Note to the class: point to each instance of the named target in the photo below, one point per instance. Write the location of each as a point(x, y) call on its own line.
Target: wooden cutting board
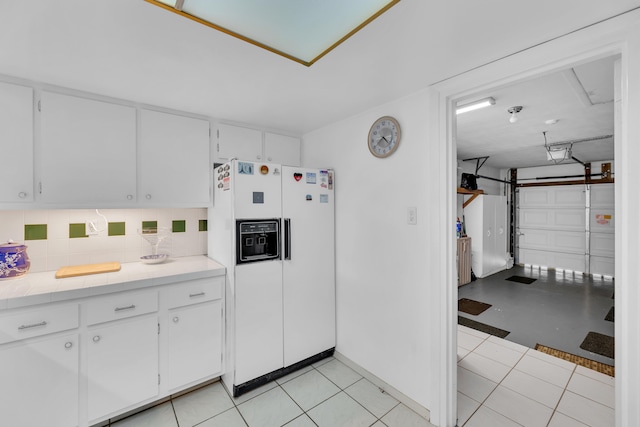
point(83, 270)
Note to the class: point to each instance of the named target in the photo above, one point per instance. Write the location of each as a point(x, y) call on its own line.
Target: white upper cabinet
point(88, 151)
point(241, 143)
point(247, 144)
point(16, 143)
point(174, 160)
point(282, 149)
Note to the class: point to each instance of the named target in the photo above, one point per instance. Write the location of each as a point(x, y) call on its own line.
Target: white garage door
point(567, 227)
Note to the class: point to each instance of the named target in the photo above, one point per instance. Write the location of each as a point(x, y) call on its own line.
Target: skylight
point(301, 30)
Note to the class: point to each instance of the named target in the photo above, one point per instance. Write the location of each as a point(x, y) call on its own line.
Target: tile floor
point(504, 384)
point(326, 394)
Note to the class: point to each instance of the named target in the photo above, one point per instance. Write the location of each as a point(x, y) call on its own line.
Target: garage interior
point(537, 229)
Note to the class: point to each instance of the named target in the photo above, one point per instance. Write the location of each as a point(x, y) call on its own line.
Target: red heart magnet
point(297, 176)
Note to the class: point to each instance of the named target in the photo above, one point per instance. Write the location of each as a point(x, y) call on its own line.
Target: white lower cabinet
point(194, 343)
point(40, 383)
point(76, 364)
point(122, 365)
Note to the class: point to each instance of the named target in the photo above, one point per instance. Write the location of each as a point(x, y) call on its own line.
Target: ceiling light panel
point(303, 30)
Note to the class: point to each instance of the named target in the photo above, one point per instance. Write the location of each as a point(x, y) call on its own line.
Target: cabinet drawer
point(194, 291)
point(121, 306)
point(35, 322)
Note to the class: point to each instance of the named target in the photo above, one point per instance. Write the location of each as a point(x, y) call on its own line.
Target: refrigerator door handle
point(287, 238)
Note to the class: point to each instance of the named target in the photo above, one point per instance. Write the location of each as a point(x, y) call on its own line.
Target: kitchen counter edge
point(42, 288)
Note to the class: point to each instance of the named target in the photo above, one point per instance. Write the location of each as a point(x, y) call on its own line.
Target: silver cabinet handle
point(176, 319)
point(96, 338)
point(199, 294)
point(68, 344)
point(148, 196)
point(22, 194)
point(258, 157)
point(33, 325)
point(129, 307)
point(129, 196)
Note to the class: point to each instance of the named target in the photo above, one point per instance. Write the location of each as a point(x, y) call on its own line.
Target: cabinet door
point(16, 143)
point(238, 142)
point(174, 160)
point(40, 383)
point(282, 149)
point(122, 365)
point(88, 151)
point(195, 343)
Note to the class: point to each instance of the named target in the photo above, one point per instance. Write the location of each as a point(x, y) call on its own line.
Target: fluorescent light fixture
point(482, 103)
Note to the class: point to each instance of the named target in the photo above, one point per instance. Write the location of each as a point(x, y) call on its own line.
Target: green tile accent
point(35, 231)
point(179, 226)
point(77, 230)
point(116, 229)
point(149, 227)
point(203, 225)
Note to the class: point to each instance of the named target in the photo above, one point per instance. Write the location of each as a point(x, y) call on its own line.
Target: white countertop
point(40, 288)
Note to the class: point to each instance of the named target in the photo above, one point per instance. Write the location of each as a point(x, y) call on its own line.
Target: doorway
point(502, 174)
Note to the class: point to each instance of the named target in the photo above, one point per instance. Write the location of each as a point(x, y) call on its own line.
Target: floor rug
point(521, 279)
point(470, 306)
point(609, 315)
point(599, 344)
point(603, 368)
point(487, 329)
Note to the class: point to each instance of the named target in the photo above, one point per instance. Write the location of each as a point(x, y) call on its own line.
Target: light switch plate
point(412, 215)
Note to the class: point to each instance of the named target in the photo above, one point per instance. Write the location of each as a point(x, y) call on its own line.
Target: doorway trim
point(618, 35)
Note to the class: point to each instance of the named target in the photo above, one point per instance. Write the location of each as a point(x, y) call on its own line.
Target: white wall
point(387, 290)
point(395, 282)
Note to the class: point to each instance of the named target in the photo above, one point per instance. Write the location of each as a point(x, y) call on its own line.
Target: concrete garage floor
point(557, 310)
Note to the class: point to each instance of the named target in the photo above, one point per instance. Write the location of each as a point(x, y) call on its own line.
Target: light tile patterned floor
point(501, 383)
point(327, 394)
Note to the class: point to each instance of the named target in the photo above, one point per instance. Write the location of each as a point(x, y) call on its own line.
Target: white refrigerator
point(280, 308)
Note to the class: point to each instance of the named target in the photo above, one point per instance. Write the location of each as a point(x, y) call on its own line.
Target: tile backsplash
point(57, 238)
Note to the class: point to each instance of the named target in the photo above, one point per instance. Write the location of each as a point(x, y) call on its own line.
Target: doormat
point(603, 368)
point(470, 306)
point(609, 315)
point(599, 344)
point(487, 329)
point(521, 279)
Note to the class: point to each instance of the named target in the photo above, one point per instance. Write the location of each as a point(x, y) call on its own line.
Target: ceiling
point(133, 50)
point(579, 98)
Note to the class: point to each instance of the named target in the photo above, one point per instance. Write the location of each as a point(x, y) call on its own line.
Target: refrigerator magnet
point(324, 198)
point(245, 168)
point(311, 178)
point(297, 176)
point(309, 197)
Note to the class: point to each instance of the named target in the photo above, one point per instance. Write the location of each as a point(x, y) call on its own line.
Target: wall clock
point(384, 137)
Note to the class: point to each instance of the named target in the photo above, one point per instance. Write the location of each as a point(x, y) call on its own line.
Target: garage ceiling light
point(301, 30)
point(482, 103)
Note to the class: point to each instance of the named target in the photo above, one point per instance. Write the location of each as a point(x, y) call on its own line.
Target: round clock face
point(384, 136)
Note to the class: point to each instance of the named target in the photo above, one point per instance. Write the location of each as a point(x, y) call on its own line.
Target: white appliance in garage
point(272, 226)
point(486, 223)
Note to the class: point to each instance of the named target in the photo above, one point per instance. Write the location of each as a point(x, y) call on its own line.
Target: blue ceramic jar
point(14, 261)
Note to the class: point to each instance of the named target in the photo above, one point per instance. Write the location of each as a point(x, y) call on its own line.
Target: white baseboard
point(404, 399)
